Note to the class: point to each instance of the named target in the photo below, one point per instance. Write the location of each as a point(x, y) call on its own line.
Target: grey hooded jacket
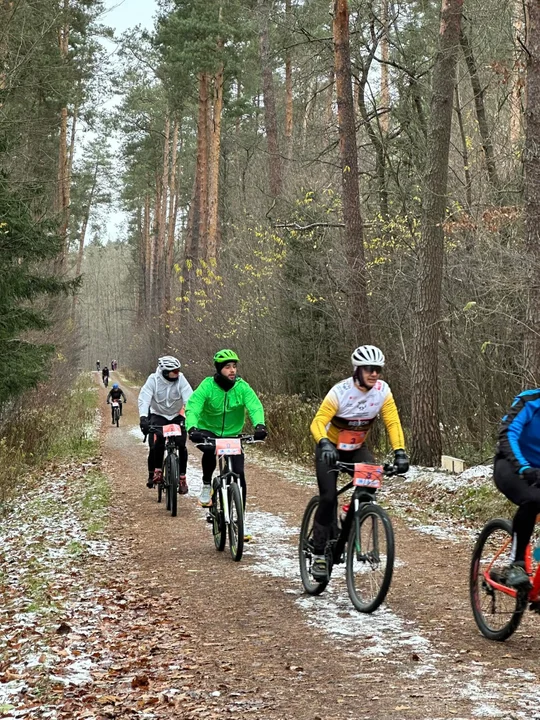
point(163, 397)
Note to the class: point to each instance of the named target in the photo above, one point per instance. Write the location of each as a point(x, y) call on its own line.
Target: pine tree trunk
point(213, 173)
point(532, 196)
point(6, 13)
point(173, 209)
point(329, 108)
point(354, 232)
point(426, 434)
point(147, 250)
point(202, 164)
point(481, 117)
point(82, 237)
point(63, 172)
point(517, 74)
point(385, 76)
point(270, 114)
point(163, 270)
point(288, 89)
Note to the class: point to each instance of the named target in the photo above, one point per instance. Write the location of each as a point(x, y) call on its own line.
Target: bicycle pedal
point(209, 518)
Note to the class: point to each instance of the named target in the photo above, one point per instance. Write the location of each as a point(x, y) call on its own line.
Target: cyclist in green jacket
point(217, 408)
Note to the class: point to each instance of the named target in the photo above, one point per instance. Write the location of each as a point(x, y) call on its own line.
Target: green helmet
point(225, 356)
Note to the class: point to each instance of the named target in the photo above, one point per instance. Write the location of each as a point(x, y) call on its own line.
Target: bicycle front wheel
point(305, 550)
point(172, 484)
point(496, 613)
point(370, 558)
point(236, 523)
point(218, 519)
point(116, 417)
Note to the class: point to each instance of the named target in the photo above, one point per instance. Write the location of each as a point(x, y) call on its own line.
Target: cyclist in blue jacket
point(516, 474)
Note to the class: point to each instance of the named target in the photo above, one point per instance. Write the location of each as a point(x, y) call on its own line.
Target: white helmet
point(367, 355)
point(168, 362)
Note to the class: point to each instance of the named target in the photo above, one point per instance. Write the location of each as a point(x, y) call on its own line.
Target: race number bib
point(228, 446)
point(171, 430)
point(366, 475)
point(351, 439)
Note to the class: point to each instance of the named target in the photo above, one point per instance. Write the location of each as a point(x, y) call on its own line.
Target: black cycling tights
point(327, 482)
point(527, 497)
point(156, 443)
point(209, 463)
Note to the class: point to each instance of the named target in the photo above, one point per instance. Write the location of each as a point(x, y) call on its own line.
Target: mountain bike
point(226, 513)
point(497, 608)
point(116, 412)
point(365, 541)
point(170, 467)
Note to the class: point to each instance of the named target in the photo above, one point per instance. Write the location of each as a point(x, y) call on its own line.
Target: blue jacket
point(519, 436)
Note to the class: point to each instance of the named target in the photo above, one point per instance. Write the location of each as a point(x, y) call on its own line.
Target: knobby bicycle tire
point(305, 550)
point(369, 585)
point(172, 484)
point(236, 523)
point(218, 519)
point(496, 614)
point(117, 417)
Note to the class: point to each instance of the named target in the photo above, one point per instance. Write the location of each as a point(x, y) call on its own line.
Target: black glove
point(401, 461)
point(260, 432)
point(144, 424)
point(329, 453)
point(532, 476)
point(196, 435)
point(108, 402)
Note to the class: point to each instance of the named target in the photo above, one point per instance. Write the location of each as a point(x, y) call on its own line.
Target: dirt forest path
point(225, 640)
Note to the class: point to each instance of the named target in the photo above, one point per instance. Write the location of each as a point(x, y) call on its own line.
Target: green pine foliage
point(26, 245)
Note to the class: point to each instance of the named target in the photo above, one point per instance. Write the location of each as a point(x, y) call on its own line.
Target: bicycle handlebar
point(389, 469)
point(211, 441)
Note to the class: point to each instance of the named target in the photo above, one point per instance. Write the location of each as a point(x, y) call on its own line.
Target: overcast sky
point(123, 14)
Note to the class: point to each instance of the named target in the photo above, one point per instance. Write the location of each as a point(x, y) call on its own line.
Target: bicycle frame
point(361, 496)
point(226, 474)
point(226, 477)
point(534, 593)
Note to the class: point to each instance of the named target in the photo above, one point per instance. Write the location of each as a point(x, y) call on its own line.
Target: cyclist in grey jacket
point(161, 401)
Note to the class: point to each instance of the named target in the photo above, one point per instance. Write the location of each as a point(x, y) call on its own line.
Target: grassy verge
point(47, 425)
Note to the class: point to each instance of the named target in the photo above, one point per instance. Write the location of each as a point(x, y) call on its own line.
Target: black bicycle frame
point(363, 497)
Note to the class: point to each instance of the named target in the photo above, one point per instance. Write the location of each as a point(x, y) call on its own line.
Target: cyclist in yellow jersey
point(340, 428)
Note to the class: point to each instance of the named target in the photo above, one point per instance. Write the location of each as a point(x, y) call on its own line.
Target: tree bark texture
point(517, 74)
point(385, 75)
point(480, 108)
point(426, 434)
point(173, 210)
point(354, 234)
point(532, 195)
point(270, 114)
point(213, 167)
point(288, 89)
point(63, 171)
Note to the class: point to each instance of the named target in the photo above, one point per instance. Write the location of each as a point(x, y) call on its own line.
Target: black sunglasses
point(372, 369)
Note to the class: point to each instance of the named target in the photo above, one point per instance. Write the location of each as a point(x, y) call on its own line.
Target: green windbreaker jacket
point(223, 413)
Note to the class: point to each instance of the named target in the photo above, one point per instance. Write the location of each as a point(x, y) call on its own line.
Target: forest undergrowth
point(55, 422)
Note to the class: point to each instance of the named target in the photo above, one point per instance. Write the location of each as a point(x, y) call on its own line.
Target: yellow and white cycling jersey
point(348, 411)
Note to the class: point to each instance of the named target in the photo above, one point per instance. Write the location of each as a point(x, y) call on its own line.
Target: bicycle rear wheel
point(236, 523)
point(305, 550)
point(172, 484)
point(496, 613)
point(218, 518)
point(370, 558)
